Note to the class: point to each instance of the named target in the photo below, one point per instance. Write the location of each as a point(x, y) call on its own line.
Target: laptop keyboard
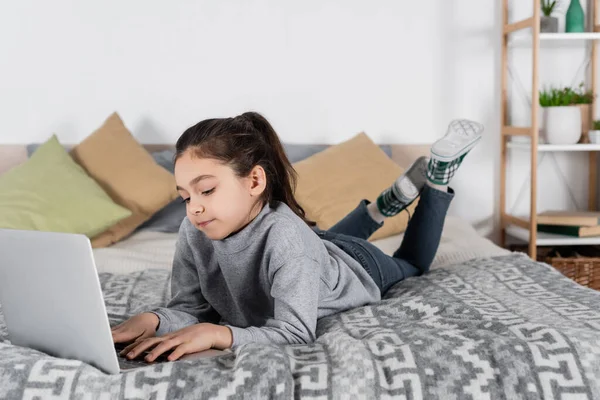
point(139, 360)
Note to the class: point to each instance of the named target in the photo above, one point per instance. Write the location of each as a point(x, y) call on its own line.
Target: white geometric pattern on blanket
point(466, 330)
point(51, 379)
point(149, 382)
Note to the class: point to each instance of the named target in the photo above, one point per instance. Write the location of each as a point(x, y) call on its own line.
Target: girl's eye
point(205, 193)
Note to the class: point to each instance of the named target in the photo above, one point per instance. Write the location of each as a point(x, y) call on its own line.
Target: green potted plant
point(561, 116)
point(548, 24)
point(584, 99)
point(594, 133)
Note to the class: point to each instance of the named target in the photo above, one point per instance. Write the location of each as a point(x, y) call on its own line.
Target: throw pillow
point(128, 173)
point(50, 192)
point(169, 218)
point(332, 183)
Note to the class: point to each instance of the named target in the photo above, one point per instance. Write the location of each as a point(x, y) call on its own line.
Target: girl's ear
point(258, 181)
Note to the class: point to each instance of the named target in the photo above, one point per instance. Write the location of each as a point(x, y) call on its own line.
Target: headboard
point(402, 154)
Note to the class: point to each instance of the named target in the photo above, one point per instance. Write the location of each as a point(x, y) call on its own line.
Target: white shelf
point(553, 39)
point(550, 239)
point(555, 147)
point(570, 36)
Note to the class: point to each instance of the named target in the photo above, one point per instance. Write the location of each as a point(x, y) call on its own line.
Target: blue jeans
point(417, 250)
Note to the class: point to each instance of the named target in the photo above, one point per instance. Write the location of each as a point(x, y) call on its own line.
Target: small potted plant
point(548, 24)
point(594, 134)
point(561, 116)
point(584, 99)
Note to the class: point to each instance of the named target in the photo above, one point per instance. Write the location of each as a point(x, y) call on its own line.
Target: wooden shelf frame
point(530, 224)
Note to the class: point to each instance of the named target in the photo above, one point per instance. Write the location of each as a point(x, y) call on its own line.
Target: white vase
point(562, 124)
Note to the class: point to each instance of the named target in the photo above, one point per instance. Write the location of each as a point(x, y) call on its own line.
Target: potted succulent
point(548, 24)
point(561, 116)
point(594, 134)
point(584, 99)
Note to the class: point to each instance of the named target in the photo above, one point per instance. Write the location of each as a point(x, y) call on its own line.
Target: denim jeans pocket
point(362, 255)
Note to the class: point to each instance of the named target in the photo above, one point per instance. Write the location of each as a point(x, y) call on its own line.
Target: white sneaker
point(461, 137)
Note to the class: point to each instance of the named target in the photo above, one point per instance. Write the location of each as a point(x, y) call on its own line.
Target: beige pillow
point(332, 183)
point(128, 173)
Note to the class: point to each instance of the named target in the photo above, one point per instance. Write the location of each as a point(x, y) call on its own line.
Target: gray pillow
point(298, 152)
point(295, 152)
point(170, 217)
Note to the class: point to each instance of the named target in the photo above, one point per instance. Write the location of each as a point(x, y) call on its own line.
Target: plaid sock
point(441, 172)
point(391, 201)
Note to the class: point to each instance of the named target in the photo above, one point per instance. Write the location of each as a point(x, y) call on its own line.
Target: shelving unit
point(570, 36)
point(525, 228)
point(555, 147)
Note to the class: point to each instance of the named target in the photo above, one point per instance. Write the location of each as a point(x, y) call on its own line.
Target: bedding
point(169, 217)
point(484, 323)
point(127, 172)
point(331, 183)
point(51, 192)
point(147, 249)
point(502, 327)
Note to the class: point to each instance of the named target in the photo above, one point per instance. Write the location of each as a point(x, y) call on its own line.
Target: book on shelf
point(569, 218)
point(569, 230)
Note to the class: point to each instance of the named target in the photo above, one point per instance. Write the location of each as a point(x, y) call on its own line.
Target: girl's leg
point(424, 230)
point(418, 248)
point(367, 217)
point(358, 223)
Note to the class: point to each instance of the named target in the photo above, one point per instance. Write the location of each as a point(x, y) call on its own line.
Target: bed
point(484, 323)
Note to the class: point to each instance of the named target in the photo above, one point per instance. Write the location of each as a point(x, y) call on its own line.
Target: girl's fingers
point(116, 326)
point(143, 345)
point(129, 347)
point(162, 347)
point(181, 350)
point(127, 336)
point(124, 336)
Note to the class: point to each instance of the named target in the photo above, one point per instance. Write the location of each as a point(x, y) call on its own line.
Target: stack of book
point(571, 223)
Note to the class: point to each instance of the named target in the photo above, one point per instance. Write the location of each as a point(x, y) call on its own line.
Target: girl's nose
point(197, 210)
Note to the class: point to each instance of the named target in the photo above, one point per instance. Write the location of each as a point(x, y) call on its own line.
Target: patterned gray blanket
point(494, 328)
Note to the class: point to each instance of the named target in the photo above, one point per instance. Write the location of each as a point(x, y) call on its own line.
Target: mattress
point(155, 250)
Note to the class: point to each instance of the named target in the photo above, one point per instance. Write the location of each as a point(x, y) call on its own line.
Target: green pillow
point(51, 192)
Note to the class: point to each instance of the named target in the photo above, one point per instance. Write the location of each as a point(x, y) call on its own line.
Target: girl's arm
point(187, 305)
point(295, 292)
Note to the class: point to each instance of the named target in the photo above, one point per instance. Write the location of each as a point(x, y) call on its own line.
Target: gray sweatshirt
point(269, 282)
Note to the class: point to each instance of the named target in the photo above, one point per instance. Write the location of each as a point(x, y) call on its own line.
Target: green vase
point(575, 19)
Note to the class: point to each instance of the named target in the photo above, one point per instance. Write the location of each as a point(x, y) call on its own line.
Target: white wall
point(466, 76)
point(321, 71)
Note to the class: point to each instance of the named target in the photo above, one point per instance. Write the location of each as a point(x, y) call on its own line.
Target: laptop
point(52, 300)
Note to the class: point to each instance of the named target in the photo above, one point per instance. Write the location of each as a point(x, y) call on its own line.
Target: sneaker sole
point(464, 144)
point(409, 184)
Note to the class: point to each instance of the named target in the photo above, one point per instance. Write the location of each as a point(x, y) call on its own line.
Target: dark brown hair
point(242, 143)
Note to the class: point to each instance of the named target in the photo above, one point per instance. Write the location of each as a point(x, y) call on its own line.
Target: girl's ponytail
point(284, 178)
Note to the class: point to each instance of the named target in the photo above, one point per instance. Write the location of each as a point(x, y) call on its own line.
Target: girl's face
point(218, 202)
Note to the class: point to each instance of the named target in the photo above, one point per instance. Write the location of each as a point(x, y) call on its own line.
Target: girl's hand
point(188, 340)
point(137, 327)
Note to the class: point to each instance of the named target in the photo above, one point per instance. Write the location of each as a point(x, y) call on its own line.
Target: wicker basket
point(579, 263)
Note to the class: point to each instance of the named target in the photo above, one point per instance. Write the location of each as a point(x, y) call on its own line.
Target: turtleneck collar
point(242, 239)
